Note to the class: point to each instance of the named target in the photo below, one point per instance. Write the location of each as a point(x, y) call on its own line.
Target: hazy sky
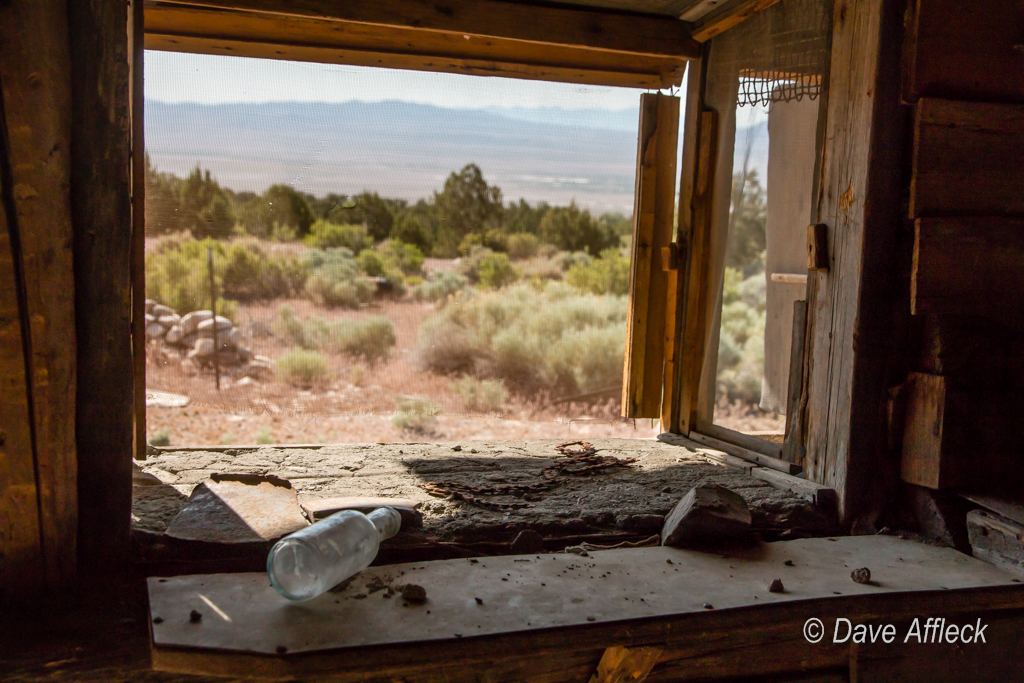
point(177, 77)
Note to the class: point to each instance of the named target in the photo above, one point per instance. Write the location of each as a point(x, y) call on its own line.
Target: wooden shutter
point(653, 214)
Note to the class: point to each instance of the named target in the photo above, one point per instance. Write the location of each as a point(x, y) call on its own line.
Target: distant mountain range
point(400, 149)
point(405, 150)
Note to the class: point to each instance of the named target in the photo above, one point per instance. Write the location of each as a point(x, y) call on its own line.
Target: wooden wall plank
point(35, 71)
point(968, 266)
point(267, 36)
point(962, 438)
point(583, 28)
point(853, 306)
point(675, 310)
point(967, 159)
point(137, 97)
point(965, 51)
point(698, 265)
point(101, 211)
point(20, 536)
point(653, 214)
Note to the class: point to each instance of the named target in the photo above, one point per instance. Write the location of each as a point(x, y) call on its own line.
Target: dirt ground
point(356, 404)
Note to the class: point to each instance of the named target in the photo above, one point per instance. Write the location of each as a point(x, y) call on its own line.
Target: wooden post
point(853, 306)
point(101, 209)
point(643, 372)
point(138, 247)
point(35, 69)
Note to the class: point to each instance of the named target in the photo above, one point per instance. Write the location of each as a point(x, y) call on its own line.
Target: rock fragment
point(706, 514)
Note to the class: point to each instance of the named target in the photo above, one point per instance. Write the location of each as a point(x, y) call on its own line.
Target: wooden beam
point(643, 371)
point(967, 159)
point(560, 26)
point(727, 16)
point(853, 307)
point(791, 448)
point(626, 664)
point(675, 308)
point(138, 246)
point(968, 266)
point(746, 454)
point(962, 438)
point(698, 264)
point(101, 209)
point(35, 71)
point(965, 51)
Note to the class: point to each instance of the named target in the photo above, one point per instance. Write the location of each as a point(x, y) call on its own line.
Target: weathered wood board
point(967, 159)
point(965, 50)
point(243, 613)
point(643, 370)
point(968, 266)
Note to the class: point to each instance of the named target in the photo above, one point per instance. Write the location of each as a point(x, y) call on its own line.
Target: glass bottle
point(313, 560)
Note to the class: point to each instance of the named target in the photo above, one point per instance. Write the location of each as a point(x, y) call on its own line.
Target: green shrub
point(371, 339)
point(469, 265)
point(160, 438)
point(522, 245)
point(496, 271)
point(548, 337)
point(442, 285)
point(324, 235)
point(573, 229)
point(177, 275)
point(608, 274)
point(250, 273)
point(371, 262)
point(404, 257)
point(334, 279)
point(302, 367)
point(415, 414)
point(483, 396)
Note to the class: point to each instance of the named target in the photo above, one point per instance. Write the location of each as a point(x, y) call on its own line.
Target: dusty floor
point(631, 499)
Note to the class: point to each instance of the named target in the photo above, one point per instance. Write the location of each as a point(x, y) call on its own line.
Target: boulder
point(155, 331)
point(190, 321)
point(159, 310)
point(229, 357)
point(203, 349)
point(205, 328)
point(169, 321)
point(188, 340)
point(244, 354)
point(258, 370)
point(149, 306)
point(173, 336)
point(150, 318)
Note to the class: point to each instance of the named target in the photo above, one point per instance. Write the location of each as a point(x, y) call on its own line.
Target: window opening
point(420, 257)
point(778, 60)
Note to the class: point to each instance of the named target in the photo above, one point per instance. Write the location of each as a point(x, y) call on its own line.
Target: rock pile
point(195, 331)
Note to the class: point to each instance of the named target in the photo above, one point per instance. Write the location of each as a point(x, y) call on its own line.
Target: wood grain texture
point(137, 97)
point(35, 71)
point(653, 213)
point(675, 309)
point(745, 453)
point(965, 51)
point(967, 159)
point(762, 637)
point(698, 265)
point(101, 210)
point(726, 16)
point(961, 438)
point(794, 413)
point(968, 266)
point(20, 535)
point(852, 307)
point(248, 34)
point(583, 28)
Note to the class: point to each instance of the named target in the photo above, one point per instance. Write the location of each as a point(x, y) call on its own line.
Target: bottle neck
point(387, 521)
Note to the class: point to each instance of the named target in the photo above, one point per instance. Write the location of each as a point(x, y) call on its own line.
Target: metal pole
point(213, 310)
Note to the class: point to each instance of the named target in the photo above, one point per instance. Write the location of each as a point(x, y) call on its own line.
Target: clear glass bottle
point(313, 560)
